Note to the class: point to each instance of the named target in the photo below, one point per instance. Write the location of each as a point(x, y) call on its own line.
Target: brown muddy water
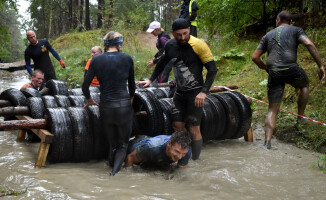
point(230, 169)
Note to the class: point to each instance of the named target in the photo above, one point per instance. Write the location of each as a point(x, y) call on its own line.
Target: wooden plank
point(21, 135)
point(11, 111)
point(43, 134)
point(42, 154)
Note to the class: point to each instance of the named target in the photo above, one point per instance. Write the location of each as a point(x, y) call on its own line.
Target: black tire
point(49, 101)
point(207, 125)
point(166, 91)
point(70, 92)
point(82, 138)
point(244, 111)
point(158, 93)
point(166, 105)
point(62, 101)
point(57, 87)
point(232, 115)
point(96, 97)
point(94, 89)
point(153, 123)
point(15, 96)
point(77, 92)
point(30, 92)
point(219, 116)
point(37, 111)
point(99, 148)
point(77, 101)
point(61, 149)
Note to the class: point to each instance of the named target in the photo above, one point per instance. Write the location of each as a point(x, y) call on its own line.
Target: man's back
point(281, 45)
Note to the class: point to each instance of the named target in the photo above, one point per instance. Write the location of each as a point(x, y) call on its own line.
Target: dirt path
point(147, 39)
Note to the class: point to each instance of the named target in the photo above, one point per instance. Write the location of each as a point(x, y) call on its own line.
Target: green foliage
point(321, 163)
point(10, 192)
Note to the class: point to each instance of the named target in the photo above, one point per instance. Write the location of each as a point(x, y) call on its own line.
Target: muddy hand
point(90, 101)
point(321, 74)
point(200, 98)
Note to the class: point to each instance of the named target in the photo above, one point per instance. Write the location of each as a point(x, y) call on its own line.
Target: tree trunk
point(101, 7)
point(81, 13)
point(87, 20)
point(50, 20)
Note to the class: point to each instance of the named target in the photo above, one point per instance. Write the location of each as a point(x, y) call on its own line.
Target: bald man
point(96, 50)
point(38, 50)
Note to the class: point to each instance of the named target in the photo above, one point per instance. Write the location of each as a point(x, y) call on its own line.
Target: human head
point(178, 145)
point(284, 17)
point(154, 28)
point(181, 31)
point(113, 39)
point(31, 37)
point(37, 78)
point(96, 50)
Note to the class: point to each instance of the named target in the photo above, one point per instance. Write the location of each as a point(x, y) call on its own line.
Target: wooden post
point(249, 137)
point(42, 154)
point(21, 135)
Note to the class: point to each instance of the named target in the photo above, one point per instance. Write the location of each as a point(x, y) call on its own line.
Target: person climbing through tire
point(281, 45)
point(162, 38)
point(188, 55)
point(113, 69)
point(38, 50)
point(161, 150)
point(37, 82)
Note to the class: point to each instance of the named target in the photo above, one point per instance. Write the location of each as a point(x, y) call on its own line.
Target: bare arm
point(131, 159)
point(257, 60)
point(315, 54)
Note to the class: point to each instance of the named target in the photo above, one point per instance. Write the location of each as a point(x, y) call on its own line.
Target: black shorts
point(184, 109)
point(277, 79)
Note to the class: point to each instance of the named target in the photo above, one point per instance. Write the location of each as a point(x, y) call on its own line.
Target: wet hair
point(37, 71)
point(285, 16)
point(98, 48)
point(180, 23)
point(181, 137)
point(113, 39)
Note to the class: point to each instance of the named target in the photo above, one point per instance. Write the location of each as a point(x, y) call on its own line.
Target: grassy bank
point(233, 58)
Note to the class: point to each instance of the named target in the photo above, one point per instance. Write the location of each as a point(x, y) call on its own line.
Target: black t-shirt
point(113, 70)
point(188, 61)
point(281, 45)
point(40, 55)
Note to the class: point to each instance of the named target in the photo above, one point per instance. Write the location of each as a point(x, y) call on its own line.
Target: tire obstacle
point(69, 133)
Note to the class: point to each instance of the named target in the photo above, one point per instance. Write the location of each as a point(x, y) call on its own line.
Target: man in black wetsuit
point(188, 55)
point(38, 50)
point(188, 11)
point(281, 45)
point(113, 69)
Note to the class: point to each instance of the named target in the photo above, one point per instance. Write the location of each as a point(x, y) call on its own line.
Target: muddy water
point(232, 169)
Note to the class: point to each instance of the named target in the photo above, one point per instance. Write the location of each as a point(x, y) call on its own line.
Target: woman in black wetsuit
point(113, 69)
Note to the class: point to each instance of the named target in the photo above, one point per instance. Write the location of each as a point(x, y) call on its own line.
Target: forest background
point(232, 27)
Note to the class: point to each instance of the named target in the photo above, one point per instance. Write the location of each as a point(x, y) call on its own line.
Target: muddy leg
point(270, 123)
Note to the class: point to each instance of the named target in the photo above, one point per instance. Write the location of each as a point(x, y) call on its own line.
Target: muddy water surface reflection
point(226, 170)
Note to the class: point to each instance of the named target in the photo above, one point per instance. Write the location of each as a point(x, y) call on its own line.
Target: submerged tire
point(166, 105)
point(61, 149)
point(49, 101)
point(77, 101)
point(232, 115)
point(245, 112)
point(99, 148)
point(62, 101)
point(30, 92)
point(37, 111)
point(82, 138)
point(153, 123)
point(207, 125)
point(219, 118)
point(15, 96)
point(57, 87)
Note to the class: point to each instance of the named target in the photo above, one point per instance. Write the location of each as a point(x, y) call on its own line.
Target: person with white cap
point(162, 38)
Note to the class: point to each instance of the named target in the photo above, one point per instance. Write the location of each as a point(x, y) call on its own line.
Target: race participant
point(96, 50)
point(162, 38)
point(38, 50)
point(281, 45)
point(37, 82)
point(113, 69)
point(161, 150)
point(188, 55)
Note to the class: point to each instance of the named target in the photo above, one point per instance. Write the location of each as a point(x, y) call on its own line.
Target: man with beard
point(188, 55)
